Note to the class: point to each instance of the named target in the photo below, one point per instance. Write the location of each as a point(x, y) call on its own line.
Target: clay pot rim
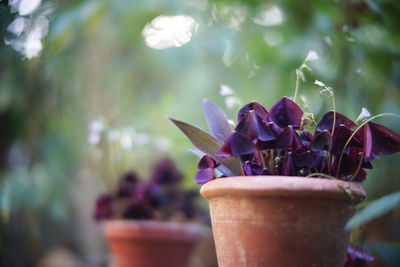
point(283, 186)
point(151, 229)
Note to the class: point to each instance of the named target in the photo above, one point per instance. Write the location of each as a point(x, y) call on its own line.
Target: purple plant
point(160, 198)
point(276, 142)
point(356, 257)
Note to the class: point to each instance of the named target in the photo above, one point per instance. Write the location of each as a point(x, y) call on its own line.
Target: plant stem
point(262, 159)
point(296, 89)
point(319, 174)
point(272, 162)
point(334, 112)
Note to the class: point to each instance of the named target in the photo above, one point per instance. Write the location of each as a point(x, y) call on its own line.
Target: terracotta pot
point(150, 243)
point(280, 221)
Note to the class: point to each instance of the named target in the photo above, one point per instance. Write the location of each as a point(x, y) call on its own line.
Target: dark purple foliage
point(356, 257)
point(165, 172)
point(104, 207)
point(159, 198)
point(258, 109)
point(275, 143)
point(206, 170)
point(285, 112)
point(127, 185)
point(326, 121)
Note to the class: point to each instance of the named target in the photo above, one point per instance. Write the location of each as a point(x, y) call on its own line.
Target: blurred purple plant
point(277, 143)
point(161, 198)
point(356, 257)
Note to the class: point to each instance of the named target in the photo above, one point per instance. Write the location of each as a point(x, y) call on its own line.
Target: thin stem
point(261, 155)
point(334, 112)
point(272, 162)
point(296, 89)
point(320, 174)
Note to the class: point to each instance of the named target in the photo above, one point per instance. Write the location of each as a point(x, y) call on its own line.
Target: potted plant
point(281, 187)
point(146, 222)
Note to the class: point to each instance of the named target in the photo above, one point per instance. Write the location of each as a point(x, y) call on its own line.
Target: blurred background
point(86, 86)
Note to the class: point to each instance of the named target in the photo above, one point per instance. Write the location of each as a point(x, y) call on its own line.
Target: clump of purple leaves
point(276, 142)
point(160, 198)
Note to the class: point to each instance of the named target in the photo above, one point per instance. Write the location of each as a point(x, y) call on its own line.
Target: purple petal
point(204, 175)
point(285, 112)
point(258, 109)
point(326, 121)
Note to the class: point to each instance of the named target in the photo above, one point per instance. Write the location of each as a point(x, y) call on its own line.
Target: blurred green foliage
point(95, 65)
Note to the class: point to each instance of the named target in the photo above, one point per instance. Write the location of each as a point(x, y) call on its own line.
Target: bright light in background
point(270, 17)
point(29, 28)
point(26, 7)
point(169, 31)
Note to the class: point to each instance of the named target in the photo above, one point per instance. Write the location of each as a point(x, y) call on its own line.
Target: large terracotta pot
point(279, 221)
point(150, 243)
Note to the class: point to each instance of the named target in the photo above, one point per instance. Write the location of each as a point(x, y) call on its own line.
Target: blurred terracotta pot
point(279, 221)
point(150, 243)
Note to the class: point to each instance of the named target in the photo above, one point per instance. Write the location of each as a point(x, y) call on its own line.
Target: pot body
point(150, 243)
point(279, 221)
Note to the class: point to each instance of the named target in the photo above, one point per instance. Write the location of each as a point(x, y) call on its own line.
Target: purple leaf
point(285, 112)
point(204, 175)
point(306, 138)
point(104, 207)
point(305, 158)
point(242, 145)
point(209, 145)
point(165, 172)
point(251, 168)
point(322, 142)
point(326, 122)
point(287, 167)
point(226, 150)
point(127, 185)
point(137, 210)
point(356, 257)
point(237, 145)
point(364, 134)
point(255, 128)
point(288, 139)
point(384, 140)
point(216, 120)
point(340, 137)
point(256, 107)
point(207, 162)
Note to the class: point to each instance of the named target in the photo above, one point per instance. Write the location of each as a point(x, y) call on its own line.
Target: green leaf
point(374, 210)
point(216, 120)
point(210, 146)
